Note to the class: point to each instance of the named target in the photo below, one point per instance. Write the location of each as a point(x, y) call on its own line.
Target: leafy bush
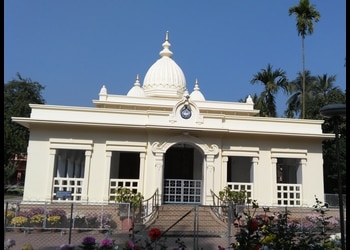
point(277, 231)
point(127, 195)
point(14, 189)
point(228, 195)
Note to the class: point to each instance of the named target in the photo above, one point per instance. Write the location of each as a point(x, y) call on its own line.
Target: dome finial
point(196, 87)
point(166, 45)
point(196, 93)
point(137, 81)
point(136, 90)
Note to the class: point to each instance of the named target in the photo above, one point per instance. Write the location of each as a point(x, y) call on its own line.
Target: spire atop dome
point(166, 45)
point(136, 90)
point(196, 87)
point(196, 93)
point(137, 81)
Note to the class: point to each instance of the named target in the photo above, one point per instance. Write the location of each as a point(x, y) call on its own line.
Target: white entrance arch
point(209, 152)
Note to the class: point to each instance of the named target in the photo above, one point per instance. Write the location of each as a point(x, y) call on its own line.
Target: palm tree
point(323, 85)
point(273, 81)
point(296, 91)
point(305, 15)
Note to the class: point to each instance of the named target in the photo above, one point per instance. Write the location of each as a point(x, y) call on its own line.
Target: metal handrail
point(220, 207)
point(149, 207)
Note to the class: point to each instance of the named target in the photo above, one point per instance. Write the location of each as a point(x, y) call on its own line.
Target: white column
point(302, 165)
point(209, 179)
point(224, 161)
point(253, 173)
point(273, 188)
point(50, 175)
point(141, 187)
point(86, 175)
point(106, 180)
point(158, 177)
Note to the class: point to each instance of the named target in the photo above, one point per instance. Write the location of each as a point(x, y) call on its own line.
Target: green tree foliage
point(295, 89)
point(305, 15)
point(320, 91)
point(329, 146)
point(18, 94)
point(273, 80)
point(317, 90)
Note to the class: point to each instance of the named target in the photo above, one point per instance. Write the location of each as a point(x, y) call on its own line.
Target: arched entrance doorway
point(183, 174)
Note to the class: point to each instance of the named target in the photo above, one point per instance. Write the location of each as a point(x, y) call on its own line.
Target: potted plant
point(37, 217)
point(19, 221)
point(79, 222)
point(134, 199)
point(234, 198)
point(237, 197)
point(56, 218)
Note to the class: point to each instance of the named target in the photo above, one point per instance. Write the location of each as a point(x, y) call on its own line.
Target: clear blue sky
point(74, 47)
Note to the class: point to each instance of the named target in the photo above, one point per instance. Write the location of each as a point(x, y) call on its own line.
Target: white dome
point(196, 94)
point(165, 78)
point(136, 90)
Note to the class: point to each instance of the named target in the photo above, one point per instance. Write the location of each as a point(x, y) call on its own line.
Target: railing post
point(70, 224)
point(229, 221)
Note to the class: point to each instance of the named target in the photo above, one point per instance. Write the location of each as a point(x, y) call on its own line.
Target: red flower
point(154, 234)
point(252, 225)
point(257, 247)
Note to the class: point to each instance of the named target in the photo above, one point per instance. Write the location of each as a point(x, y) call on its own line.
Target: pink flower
point(131, 245)
point(106, 244)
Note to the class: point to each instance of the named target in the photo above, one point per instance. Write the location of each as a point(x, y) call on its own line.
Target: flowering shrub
point(35, 211)
point(10, 214)
point(154, 234)
point(106, 244)
point(56, 217)
point(92, 221)
point(53, 220)
point(37, 220)
point(103, 221)
point(155, 241)
point(278, 231)
point(19, 221)
point(89, 243)
point(36, 216)
point(57, 212)
point(79, 221)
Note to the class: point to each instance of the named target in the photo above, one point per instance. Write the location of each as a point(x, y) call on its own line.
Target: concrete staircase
point(188, 220)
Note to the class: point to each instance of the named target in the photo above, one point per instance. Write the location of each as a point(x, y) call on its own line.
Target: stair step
point(207, 223)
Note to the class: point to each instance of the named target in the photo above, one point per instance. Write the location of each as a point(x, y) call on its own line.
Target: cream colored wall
point(38, 174)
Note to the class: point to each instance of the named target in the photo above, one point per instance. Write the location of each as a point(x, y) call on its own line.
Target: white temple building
point(164, 135)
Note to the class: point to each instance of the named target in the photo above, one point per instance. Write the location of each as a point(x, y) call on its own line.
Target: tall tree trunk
point(303, 94)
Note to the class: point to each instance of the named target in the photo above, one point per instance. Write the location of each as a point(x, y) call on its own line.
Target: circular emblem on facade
point(186, 112)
